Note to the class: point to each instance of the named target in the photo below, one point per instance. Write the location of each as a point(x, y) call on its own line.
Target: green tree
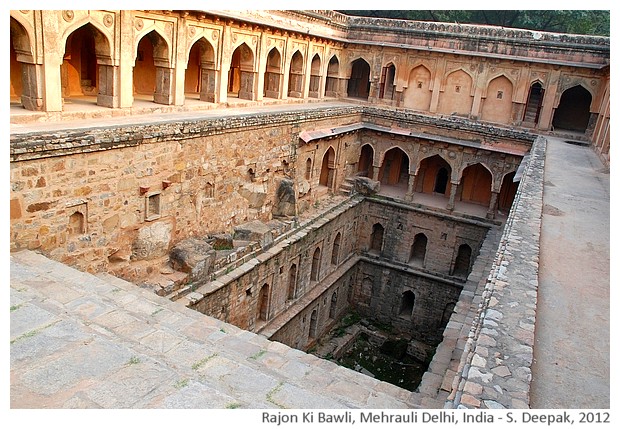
point(589, 22)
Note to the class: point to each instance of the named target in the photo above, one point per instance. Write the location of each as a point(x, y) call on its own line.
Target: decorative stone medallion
point(67, 15)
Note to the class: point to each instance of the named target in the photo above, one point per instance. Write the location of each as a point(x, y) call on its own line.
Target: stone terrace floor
point(85, 341)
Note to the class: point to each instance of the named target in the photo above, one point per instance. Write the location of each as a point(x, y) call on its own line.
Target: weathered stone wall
point(401, 223)
point(139, 189)
point(236, 297)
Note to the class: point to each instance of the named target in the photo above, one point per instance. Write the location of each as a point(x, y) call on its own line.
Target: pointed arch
point(407, 304)
point(315, 76)
point(376, 238)
point(152, 73)
point(359, 82)
point(476, 184)
point(333, 304)
point(242, 75)
point(86, 59)
point(456, 97)
point(497, 106)
point(22, 68)
point(533, 104)
point(462, 262)
point(315, 268)
point(394, 169)
point(573, 110)
point(263, 302)
point(328, 168)
point(507, 192)
point(418, 250)
point(296, 75)
point(273, 74)
point(292, 282)
point(200, 71)
point(332, 81)
point(366, 160)
point(418, 93)
point(433, 176)
point(386, 85)
point(336, 249)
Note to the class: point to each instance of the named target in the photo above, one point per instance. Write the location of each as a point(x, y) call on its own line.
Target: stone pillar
point(453, 190)
point(375, 173)
point(32, 90)
point(163, 85)
point(108, 84)
point(410, 185)
point(208, 84)
point(493, 205)
point(127, 60)
point(546, 112)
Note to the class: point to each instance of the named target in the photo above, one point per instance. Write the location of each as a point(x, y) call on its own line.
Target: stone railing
point(495, 367)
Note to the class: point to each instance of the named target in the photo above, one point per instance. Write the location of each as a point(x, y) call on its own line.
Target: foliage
point(588, 22)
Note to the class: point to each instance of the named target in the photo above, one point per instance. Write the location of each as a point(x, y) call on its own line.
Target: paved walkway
point(84, 341)
point(571, 367)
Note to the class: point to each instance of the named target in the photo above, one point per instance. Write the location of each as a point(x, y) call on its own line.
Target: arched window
point(313, 324)
point(263, 306)
point(406, 304)
point(359, 82)
point(308, 169)
point(328, 168)
point(462, 261)
point(418, 250)
point(292, 282)
point(376, 238)
point(315, 77)
point(296, 76)
point(273, 74)
point(332, 306)
point(333, 78)
point(336, 249)
point(316, 265)
point(76, 224)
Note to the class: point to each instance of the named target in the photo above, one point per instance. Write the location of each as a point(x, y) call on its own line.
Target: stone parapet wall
point(495, 367)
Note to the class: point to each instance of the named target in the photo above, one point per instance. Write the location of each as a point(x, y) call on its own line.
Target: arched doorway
point(475, 185)
point(418, 250)
point(573, 112)
point(315, 77)
point(87, 53)
point(376, 238)
point(395, 168)
point(333, 78)
point(407, 304)
point(533, 105)
point(316, 265)
point(152, 75)
point(241, 76)
point(263, 306)
point(292, 282)
point(433, 176)
point(462, 261)
point(507, 192)
point(24, 87)
point(497, 105)
point(364, 166)
point(200, 74)
point(273, 74)
point(336, 249)
point(386, 89)
point(359, 82)
point(418, 94)
point(296, 76)
point(328, 168)
point(456, 99)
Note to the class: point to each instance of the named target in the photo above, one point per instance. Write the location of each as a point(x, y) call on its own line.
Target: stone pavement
point(571, 366)
point(85, 341)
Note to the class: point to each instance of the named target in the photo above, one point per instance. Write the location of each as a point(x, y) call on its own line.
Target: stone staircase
point(85, 341)
point(346, 188)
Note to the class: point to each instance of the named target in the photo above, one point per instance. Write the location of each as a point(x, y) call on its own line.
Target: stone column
point(453, 190)
point(410, 185)
point(32, 90)
point(108, 86)
point(493, 205)
point(375, 173)
point(127, 60)
point(208, 83)
point(163, 85)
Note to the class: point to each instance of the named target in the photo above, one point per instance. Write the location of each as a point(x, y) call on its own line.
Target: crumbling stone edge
point(495, 368)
